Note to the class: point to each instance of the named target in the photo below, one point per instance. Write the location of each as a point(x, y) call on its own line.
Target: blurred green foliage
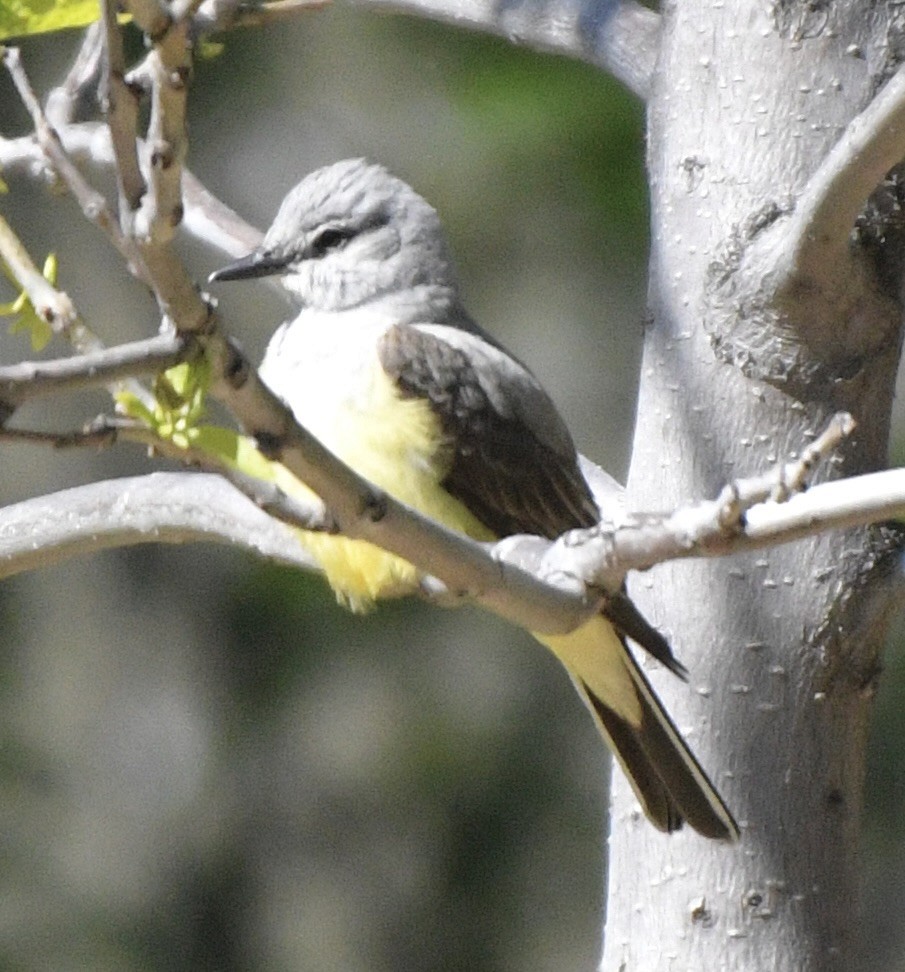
point(581, 123)
point(18, 18)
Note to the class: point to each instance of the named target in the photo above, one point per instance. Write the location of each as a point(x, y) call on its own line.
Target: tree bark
point(737, 372)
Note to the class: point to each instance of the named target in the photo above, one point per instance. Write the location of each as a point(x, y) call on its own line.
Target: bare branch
point(64, 100)
point(210, 220)
point(785, 479)
point(533, 582)
point(620, 36)
point(600, 556)
point(158, 508)
point(816, 237)
point(707, 530)
point(121, 111)
point(697, 532)
point(169, 68)
point(35, 379)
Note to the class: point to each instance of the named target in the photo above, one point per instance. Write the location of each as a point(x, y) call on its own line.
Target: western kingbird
point(386, 368)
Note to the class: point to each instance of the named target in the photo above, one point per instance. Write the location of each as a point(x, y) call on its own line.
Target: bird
point(383, 365)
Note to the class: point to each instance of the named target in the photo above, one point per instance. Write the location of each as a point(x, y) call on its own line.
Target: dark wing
point(512, 461)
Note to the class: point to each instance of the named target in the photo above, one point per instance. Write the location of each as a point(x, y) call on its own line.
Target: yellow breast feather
point(397, 444)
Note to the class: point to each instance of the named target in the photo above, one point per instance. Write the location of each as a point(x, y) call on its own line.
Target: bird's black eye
point(329, 238)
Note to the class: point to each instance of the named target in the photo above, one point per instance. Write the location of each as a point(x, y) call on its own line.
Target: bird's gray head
point(350, 233)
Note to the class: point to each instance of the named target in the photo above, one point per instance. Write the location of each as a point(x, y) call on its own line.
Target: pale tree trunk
point(740, 366)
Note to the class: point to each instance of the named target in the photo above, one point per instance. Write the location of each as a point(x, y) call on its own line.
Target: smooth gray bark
point(738, 370)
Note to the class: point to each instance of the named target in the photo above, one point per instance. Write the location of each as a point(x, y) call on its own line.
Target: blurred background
point(204, 762)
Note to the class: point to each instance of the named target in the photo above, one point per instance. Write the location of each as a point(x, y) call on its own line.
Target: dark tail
point(668, 780)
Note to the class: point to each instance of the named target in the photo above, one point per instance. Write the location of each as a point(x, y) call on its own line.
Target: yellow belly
point(397, 444)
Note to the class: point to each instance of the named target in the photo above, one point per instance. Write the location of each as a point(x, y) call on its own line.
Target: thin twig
point(600, 556)
point(50, 304)
point(795, 477)
point(98, 436)
point(120, 106)
point(166, 69)
point(64, 101)
point(313, 517)
point(106, 430)
point(93, 204)
point(785, 479)
point(278, 504)
point(206, 217)
point(29, 380)
point(169, 66)
point(209, 219)
point(150, 16)
point(215, 16)
point(748, 514)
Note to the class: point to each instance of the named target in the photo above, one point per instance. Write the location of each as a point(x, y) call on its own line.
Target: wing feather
point(512, 460)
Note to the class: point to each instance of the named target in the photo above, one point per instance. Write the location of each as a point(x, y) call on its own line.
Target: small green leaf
point(14, 306)
point(39, 331)
point(217, 441)
point(207, 50)
point(233, 449)
point(250, 461)
point(27, 319)
point(50, 268)
point(180, 395)
point(178, 408)
point(132, 406)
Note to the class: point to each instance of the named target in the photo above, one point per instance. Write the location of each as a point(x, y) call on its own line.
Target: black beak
point(258, 263)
